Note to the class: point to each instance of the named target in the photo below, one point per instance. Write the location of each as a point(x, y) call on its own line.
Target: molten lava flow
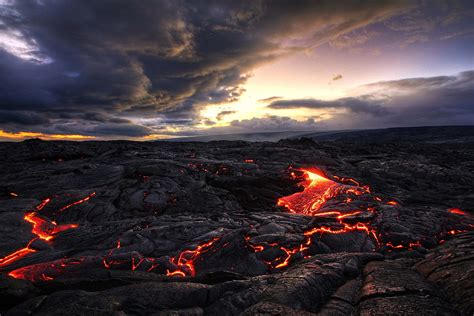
point(186, 259)
point(43, 229)
point(456, 211)
point(339, 205)
point(15, 256)
point(317, 190)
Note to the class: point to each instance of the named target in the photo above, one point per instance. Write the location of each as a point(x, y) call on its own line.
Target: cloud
point(208, 122)
point(221, 114)
point(26, 118)
point(352, 39)
point(134, 68)
point(270, 99)
point(458, 81)
point(274, 123)
point(149, 58)
point(441, 100)
point(129, 130)
point(431, 20)
point(362, 104)
point(271, 123)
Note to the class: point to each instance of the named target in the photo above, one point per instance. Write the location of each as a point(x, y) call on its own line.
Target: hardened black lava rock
point(194, 228)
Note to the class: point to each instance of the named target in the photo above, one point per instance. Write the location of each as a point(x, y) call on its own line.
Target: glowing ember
point(410, 245)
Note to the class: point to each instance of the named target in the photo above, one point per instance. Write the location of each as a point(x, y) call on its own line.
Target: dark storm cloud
point(121, 129)
point(22, 118)
point(362, 104)
point(442, 100)
point(148, 58)
point(430, 101)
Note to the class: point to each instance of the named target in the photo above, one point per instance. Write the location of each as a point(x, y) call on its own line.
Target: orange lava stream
point(43, 229)
point(319, 189)
point(15, 256)
point(456, 211)
point(87, 198)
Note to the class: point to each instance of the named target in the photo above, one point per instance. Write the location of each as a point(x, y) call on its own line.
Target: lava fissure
point(318, 190)
point(43, 228)
point(338, 206)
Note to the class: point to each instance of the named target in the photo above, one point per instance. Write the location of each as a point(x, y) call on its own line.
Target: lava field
point(295, 227)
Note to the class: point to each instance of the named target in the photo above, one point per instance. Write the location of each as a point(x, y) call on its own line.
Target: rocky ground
point(286, 228)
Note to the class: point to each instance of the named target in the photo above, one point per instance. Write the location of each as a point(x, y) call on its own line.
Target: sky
point(155, 69)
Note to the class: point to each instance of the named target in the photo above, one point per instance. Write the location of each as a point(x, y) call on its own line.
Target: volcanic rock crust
point(295, 227)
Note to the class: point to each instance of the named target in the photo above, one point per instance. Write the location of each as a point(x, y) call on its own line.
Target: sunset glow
point(246, 67)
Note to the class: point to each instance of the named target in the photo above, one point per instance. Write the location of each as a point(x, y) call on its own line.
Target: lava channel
point(321, 197)
point(43, 228)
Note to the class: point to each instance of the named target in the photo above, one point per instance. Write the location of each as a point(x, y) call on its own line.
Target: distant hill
point(425, 134)
point(249, 137)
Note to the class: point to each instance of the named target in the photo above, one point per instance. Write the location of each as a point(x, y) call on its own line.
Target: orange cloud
point(25, 135)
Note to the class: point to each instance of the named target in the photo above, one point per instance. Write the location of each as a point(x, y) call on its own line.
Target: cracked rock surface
point(295, 227)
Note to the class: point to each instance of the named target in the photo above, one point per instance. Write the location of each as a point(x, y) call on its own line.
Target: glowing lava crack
point(338, 206)
point(43, 228)
point(320, 198)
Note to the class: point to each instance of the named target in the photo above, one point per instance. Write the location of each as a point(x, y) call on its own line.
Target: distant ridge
point(249, 137)
point(426, 134)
